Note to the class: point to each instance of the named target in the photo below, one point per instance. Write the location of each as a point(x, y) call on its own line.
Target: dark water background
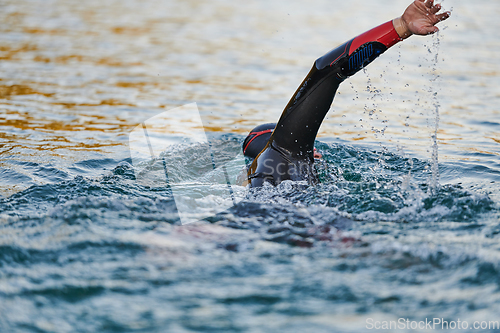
point(86, 248)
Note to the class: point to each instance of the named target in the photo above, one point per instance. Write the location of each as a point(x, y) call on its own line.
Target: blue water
point(106, 254)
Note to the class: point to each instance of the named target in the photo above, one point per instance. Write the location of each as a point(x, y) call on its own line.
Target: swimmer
point(285, 151)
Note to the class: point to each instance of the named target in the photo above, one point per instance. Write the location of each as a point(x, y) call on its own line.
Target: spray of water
point(433, 89)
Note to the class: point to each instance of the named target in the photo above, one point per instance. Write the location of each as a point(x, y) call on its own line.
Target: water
point(84, 247)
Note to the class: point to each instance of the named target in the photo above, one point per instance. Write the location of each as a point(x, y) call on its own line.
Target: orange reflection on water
point(8, 52)
point(19, 89)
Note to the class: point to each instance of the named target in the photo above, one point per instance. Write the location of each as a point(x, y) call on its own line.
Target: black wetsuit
point(288, 155)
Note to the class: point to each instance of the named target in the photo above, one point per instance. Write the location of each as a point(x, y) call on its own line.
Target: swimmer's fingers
point(428, 30)
point(435, 9)
point(429, 3)
point(439, 17)
point(443, 16)
point(421, 17)
point(436, 19)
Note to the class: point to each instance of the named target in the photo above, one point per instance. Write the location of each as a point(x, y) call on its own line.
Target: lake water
point(404, 225)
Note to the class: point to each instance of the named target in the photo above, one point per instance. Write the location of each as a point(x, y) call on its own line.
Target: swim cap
point(257, 139)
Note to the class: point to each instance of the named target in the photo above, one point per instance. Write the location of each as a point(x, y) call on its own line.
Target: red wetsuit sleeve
point(384, 33)
point(374, 42)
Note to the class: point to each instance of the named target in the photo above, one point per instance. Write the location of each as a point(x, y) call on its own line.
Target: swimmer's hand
point(420, 18)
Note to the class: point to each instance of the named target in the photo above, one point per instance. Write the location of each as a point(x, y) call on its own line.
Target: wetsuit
point(288, 154)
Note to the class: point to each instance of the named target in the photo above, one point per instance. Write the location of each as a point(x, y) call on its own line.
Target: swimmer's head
point(257, 139)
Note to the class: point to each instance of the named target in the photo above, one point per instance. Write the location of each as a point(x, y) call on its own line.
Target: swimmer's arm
point(419, 18)
point(300, 121)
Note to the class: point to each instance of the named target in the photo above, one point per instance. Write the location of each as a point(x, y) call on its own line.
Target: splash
point(434, 162)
